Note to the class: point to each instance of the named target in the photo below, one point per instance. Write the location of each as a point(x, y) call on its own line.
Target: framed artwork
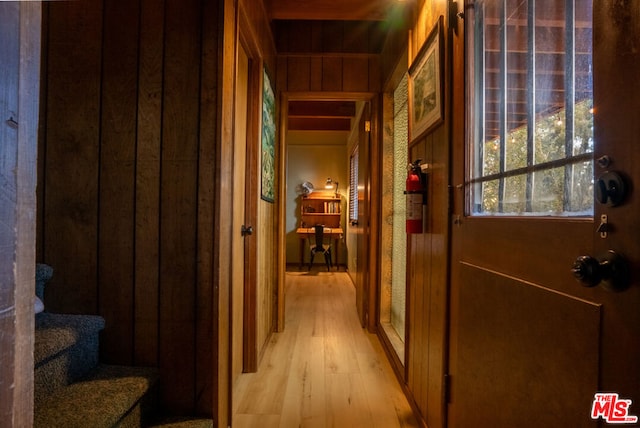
point(268, 143)
point(425, 85)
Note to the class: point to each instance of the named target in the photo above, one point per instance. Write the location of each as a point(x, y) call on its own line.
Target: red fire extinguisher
point(415, 191)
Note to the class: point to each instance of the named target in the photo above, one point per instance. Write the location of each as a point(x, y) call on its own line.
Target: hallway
point(324, 370)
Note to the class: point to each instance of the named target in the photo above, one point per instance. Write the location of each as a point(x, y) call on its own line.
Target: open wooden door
point(361, 229)
point(531, 346)
point(239, 229)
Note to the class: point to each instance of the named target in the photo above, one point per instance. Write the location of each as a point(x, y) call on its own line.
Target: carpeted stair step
point(111, 396)
point(66, 349)
point(186, 422)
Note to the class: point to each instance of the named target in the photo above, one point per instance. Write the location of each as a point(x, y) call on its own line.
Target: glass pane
point(491, 157)
point(550, 138)
point(517, 150)
point(583, 40)
point(489, 204)
point(393, 236)
point(492, 66)
point(548, 191)
point(400, 162)
point(550, 73)
point(515, 199)
point(533, 110)
point(581, 188)
point(516, 85)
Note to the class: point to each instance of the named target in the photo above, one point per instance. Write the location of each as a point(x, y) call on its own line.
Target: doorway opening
point(320, 135)
point(354, 248)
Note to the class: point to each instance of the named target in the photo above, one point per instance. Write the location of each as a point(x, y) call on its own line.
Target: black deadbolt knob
point(610, 189)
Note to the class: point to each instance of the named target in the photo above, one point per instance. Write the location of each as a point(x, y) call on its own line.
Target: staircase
point(72, 389)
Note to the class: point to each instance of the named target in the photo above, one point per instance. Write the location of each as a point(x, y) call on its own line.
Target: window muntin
point(532, 111)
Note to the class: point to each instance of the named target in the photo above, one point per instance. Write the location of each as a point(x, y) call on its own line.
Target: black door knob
point(246, 230)
point(610, 271)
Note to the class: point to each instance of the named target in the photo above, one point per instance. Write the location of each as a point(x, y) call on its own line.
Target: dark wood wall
point(428, 252)
point(328, 56)
point(127, 183)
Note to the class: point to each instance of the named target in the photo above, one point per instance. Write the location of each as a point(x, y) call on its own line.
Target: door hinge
point(367, 126)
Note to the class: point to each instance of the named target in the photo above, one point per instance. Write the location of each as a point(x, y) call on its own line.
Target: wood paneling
point(117, 176)
point(322, 108)
point(134, 163)
point(178, 200)
point(355, 81)
point(330, 73)
point(427, 306)
point(298, 72)
point(223, 210)
point(329, 56)
point(328, 10)
point(206, 345)
point(147, 182)
point(428, 258)
point(70, 239)
point(267, 279)
point(546, 342)
point(321, 115)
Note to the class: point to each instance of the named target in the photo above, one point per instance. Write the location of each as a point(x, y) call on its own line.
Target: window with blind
point(532, 111)
point(353, 186)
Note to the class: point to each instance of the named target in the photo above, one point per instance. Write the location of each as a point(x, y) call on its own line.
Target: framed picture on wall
point(268, 144)
point(425, 85)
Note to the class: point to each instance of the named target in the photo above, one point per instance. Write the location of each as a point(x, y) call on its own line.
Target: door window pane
point(532, 111)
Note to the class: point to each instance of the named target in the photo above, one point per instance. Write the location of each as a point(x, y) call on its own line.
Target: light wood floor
point(324, 370)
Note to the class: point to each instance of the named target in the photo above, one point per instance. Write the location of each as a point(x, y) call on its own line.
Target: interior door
point(362, 227)
point(531, 346)
point(239, 228)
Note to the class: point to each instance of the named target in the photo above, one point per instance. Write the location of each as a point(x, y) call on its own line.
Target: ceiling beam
point(322, 109)
point(319, 124)
point(371, 10)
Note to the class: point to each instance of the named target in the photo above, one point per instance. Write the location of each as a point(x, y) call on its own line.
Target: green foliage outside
point(550, 187)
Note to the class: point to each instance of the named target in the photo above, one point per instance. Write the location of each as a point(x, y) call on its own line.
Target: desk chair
point(320, 242)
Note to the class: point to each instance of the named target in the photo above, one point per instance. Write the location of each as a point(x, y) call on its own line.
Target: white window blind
point(353, 185)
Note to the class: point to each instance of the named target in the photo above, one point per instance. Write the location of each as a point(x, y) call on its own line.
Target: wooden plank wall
point(127, 182)
point(427, 262)
point(328, 56)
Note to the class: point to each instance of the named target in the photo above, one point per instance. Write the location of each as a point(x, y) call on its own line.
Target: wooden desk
point(303, 234)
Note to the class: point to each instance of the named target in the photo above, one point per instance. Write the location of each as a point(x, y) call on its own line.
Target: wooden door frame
point(374, 99)
point(17, 322)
